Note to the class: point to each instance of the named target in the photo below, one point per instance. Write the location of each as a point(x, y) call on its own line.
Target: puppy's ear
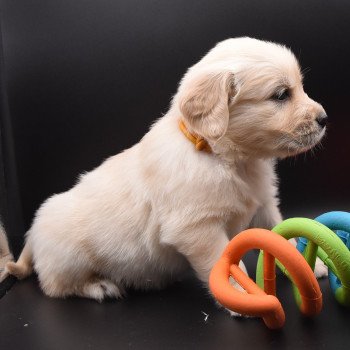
point(204, 102)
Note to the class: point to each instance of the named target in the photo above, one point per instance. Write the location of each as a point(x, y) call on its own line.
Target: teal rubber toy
point(322, 242)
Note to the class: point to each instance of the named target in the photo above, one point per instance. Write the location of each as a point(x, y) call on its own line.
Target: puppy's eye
point(281, 95)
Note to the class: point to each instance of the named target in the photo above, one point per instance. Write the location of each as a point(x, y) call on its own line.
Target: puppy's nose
point(322, 120)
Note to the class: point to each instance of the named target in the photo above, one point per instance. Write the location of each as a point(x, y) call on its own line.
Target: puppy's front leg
point(203, 247)
point(269, 216)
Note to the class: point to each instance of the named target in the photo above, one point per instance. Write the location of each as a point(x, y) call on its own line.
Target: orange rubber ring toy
point(257, 302)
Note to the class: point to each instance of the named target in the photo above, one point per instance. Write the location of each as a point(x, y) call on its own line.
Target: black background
point(84, 79)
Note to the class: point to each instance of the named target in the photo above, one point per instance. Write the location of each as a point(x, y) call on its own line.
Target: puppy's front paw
point(321, 270)
point(237, 286)
point(237, 315)
point(234, 314)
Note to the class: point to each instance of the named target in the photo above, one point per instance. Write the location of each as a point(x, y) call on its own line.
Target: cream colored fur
point(144, 215)
point(5, 254)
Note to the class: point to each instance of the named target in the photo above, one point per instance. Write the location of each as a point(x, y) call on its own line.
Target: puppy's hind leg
point(92, 287)
point(78, 281)
point(99, 289)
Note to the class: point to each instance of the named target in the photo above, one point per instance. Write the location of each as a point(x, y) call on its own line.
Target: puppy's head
point(248, 94)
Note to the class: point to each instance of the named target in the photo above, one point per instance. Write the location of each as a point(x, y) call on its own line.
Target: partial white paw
point(321, 270)
point(237, 314)
point(101, 289)
point(237, 286)
point(234, 314)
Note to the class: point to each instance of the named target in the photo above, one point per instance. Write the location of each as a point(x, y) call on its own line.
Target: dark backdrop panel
point(85, 79)
point(10, 204)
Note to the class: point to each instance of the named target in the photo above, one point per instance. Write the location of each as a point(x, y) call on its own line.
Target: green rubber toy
point(324, 243)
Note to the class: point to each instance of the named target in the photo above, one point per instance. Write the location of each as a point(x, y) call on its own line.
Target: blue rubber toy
point(339, 222)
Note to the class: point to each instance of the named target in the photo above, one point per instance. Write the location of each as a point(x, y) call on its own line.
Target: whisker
point(305, 70)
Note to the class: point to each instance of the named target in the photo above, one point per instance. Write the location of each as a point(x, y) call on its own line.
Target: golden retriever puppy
point(203, 172)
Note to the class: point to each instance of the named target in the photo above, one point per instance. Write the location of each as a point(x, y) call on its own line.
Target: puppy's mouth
point(301, 143)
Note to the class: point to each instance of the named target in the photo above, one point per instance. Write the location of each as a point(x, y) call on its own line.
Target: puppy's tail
point(23, 267)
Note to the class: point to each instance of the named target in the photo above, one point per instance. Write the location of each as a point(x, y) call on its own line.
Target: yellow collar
point(200, 143)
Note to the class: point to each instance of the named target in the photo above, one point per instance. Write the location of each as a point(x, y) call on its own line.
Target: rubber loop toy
point(339, 272)
point(256, 301)
point(323, 242)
